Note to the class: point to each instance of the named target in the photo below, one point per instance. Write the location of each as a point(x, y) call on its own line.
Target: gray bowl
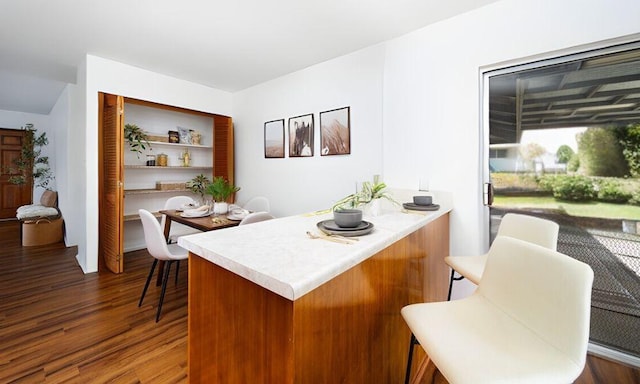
point(422, 200)
point(347, 218)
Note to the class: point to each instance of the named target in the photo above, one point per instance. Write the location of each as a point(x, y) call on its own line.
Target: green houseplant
point(137, 138)
point(31, 165)
point(368, 194)
point(198, 185)
point(221, 190)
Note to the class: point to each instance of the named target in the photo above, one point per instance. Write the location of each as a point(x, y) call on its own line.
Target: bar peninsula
point(268, 304)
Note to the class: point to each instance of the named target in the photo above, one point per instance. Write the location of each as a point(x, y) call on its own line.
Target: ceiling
point(228, 45)
point(598, 91)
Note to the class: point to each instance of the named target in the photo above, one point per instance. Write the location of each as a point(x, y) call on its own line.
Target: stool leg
point(451, 279)
point(413, 342)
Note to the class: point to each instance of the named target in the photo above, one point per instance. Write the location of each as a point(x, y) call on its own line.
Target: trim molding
point(612, 354)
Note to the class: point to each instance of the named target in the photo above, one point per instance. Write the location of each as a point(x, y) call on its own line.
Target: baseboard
point(612, 354)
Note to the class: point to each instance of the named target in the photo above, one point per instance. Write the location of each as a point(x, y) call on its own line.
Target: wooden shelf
point(174, 167)
point(152, 143)
point(135, 216)
point(152, 191)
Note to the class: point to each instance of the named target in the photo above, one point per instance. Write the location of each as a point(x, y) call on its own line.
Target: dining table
point(205, 223)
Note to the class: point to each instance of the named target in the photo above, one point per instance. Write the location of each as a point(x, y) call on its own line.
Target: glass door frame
point(531, 62)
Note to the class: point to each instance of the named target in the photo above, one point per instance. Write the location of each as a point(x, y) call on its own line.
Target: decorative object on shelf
point(274, 139)
point(198, 185)
point(221, 190)
point(162, 159)
point(369, 194)
point(174, 137)
point(301, 136)
point(335, 136)
point(171, 185)
point(151, 161)
point(185, 158)
point(31, 166)
point(158, 138)
point(137, 138)
point(185, 135)
point(196, 137)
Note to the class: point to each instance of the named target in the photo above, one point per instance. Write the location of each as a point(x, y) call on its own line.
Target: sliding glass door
point(563, 142)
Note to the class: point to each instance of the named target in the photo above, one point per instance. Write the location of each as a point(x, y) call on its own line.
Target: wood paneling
point(348, 330)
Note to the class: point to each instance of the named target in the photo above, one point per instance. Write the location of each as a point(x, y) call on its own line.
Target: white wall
point(59, 123)
point(304, 184)
point(415, 110)
point(101, 75)
point(17, 120)
point(432, 91)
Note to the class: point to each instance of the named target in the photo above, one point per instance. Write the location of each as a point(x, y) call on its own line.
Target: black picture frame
point(274, 139)
point(301, 136)
point(335, 132)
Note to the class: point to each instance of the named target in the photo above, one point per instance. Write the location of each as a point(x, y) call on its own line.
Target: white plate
point(236, 217)
point(195, 214)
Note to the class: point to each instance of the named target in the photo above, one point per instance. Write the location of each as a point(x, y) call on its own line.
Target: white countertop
point(279, 256)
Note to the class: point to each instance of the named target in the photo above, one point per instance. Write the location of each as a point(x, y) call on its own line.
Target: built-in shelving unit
point(127, 184)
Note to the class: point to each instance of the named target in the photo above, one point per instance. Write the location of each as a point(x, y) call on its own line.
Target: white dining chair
point(255, 217)
point(257, 204)
point(177, 230)
point(524, 227)
point(160, 250)
point(528, 321)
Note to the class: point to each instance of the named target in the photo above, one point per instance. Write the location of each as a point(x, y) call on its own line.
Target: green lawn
point(584, 209)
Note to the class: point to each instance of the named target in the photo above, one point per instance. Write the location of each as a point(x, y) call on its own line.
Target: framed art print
point(301, 136)
point(335, 132)
point(274, 139)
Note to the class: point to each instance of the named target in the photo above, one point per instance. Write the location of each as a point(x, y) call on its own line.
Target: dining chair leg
point(146, 285)
point(177, 271)
point(164, 288)
point(413, 342)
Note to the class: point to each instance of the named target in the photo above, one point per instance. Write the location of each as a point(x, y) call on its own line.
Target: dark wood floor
point(59, 325)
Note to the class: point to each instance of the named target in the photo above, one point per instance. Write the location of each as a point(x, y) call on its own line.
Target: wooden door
point(12, 196)
point(111, 183)
point(223, 161)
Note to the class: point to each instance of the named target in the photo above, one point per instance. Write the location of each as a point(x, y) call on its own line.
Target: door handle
point(487, 194)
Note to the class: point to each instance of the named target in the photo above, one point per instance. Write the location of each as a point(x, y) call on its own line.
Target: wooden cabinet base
point(348, 330)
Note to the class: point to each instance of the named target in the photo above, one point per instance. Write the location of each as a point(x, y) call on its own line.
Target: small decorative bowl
point(347, 218)
point(422, 200)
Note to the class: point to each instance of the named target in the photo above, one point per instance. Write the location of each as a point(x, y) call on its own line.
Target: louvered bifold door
point(111, 196)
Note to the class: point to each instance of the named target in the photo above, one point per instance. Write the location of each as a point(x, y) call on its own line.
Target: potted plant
point(370, 194)
point(137, 138)
point(31, 165)
point(198, 185)
point(221, 190)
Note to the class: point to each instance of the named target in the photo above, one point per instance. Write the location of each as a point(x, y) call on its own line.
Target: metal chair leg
point(413, 342)
point(146, 285)
point(177, 271)
point(164, 288)
point(451, 279)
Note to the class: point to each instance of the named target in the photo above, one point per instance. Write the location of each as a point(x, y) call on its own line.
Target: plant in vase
point(370, 194)
point(137, 138)
point(31, 166)
point(198, 185)
point(221, 190)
